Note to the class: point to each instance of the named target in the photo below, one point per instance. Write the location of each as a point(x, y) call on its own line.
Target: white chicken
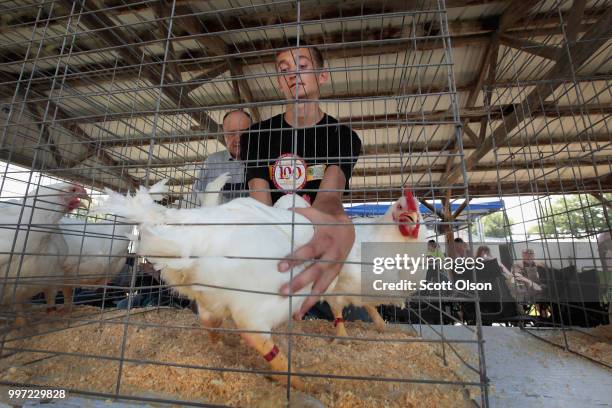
point(401, 224)
point(95, 254)
point(225, 258)
point(30, 257)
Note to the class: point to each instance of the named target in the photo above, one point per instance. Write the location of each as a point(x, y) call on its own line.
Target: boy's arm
point(259, 189)
point(330, 243)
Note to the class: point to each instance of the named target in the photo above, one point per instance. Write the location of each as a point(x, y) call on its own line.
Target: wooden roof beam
point(496, 190)
point(97, 20)
point(335, 44)
point(541, 50)
point(217, 46)
point(580, 52)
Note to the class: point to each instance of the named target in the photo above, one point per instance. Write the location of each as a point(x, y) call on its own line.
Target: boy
point(317, 166)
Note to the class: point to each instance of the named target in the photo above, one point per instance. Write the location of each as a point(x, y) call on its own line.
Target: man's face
point(233, 126)
point(460, 249)
point(528, 257)
point(304, 85)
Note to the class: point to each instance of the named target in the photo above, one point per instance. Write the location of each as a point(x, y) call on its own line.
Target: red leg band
point(337, 321)
point(272, 353)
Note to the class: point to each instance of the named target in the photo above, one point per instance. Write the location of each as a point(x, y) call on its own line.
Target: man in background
point(433, 249)
point(226, 161)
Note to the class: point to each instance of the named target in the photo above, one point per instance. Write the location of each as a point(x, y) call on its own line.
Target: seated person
point(433, 249)
point(526, 272)
point(461, 248)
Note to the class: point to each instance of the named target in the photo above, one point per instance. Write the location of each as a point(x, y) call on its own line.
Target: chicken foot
point(50, 294)
point(275, 357)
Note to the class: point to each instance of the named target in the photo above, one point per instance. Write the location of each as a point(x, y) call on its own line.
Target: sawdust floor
point(190, 345)
point(595, 342)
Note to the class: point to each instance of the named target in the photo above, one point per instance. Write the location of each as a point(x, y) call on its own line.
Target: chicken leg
point(67, 291)
point(275, 357)
point(50, 294)
point(20, 320)
point(379, 323)
point(209, 322)
point(338, 320)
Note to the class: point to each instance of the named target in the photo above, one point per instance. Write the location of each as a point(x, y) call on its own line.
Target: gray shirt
point(217, 164)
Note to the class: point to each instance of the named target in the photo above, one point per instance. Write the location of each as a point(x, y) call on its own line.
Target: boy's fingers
point(306, 277)
point(312, 250)
point(308, 303)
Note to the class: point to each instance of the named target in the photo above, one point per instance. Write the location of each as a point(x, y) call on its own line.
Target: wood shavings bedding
point(595, 342)
point(191, 346)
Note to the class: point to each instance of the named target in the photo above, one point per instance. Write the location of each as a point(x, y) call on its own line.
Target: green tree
point(572, 216)
point(494, 225)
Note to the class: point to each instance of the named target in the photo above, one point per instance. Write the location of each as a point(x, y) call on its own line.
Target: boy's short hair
point(292, 43)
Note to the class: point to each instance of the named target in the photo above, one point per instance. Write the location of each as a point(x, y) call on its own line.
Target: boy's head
point(308, 61)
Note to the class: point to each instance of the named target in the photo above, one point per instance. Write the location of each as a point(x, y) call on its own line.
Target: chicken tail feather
point(211, 197)
point(140, 208)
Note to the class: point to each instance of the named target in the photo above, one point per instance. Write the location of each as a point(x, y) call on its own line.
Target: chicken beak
point(409, 224)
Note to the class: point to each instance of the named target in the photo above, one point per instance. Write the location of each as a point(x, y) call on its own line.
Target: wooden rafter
point(580, 52)
point(509, 168)
point(207, 76)
point(432, 208)
point(470, 133)
point(216, 46)
point(244, 90)
point(336, 44)
point(462, 207)
point(541, 50)
point(496, 112)
point(602, 199)
point(77, 133)
point(368, 149)
point(514, 187)
point(573, 20)
point(106, 30)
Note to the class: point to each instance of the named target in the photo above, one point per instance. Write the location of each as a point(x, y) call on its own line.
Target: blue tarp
point(372, 210)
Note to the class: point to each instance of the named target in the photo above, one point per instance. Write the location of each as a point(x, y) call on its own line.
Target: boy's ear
point(323, 76)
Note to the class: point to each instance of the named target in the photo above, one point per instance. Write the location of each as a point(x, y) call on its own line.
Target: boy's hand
point(331, 243)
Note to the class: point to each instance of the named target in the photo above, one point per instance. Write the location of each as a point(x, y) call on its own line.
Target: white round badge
point(289, 172)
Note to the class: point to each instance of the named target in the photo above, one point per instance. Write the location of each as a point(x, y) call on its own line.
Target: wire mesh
point(552, 153)
point(124, 94)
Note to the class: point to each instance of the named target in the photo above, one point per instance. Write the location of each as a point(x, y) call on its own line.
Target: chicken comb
point(410, 200)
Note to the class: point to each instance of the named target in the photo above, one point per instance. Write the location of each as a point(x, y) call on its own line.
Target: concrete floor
point(527, 372)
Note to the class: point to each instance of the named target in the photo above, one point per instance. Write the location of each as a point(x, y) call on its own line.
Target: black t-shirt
point(267, 148)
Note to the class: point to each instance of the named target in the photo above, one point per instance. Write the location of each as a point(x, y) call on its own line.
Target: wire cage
point(125, 94)
point(547, 130)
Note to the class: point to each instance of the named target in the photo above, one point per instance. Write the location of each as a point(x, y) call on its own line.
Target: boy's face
point(304, 85)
